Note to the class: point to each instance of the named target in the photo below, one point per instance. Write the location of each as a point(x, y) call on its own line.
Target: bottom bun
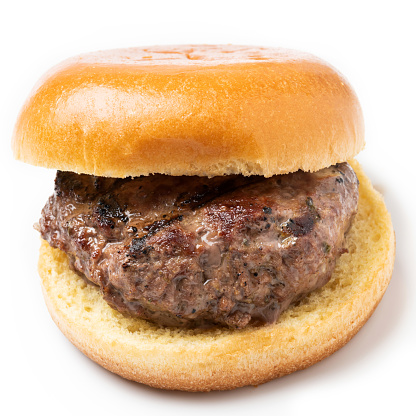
point(222, 359)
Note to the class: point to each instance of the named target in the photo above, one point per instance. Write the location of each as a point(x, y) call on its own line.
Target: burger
point(209, 227)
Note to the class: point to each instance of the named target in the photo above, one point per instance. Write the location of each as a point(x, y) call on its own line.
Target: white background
point(371, 42)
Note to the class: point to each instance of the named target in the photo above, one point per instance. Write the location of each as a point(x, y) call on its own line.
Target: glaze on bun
point(190, 110)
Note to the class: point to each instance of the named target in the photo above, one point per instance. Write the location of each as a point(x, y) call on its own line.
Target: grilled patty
point(193, 251)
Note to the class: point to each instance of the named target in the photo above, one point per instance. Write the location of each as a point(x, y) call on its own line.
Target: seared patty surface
point(192, 251)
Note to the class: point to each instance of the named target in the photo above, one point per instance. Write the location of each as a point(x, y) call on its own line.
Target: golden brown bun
point(221, 359)
point(190, 110)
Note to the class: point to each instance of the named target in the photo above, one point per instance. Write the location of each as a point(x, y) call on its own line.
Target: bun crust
point(220, 359)
point(190, 110)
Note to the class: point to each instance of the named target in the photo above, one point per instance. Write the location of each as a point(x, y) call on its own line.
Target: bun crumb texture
point(221, 359)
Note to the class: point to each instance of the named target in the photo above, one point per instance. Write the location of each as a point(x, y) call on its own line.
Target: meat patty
point(194, 251)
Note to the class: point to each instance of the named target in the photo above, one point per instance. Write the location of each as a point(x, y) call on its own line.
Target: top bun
point(190, 110)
